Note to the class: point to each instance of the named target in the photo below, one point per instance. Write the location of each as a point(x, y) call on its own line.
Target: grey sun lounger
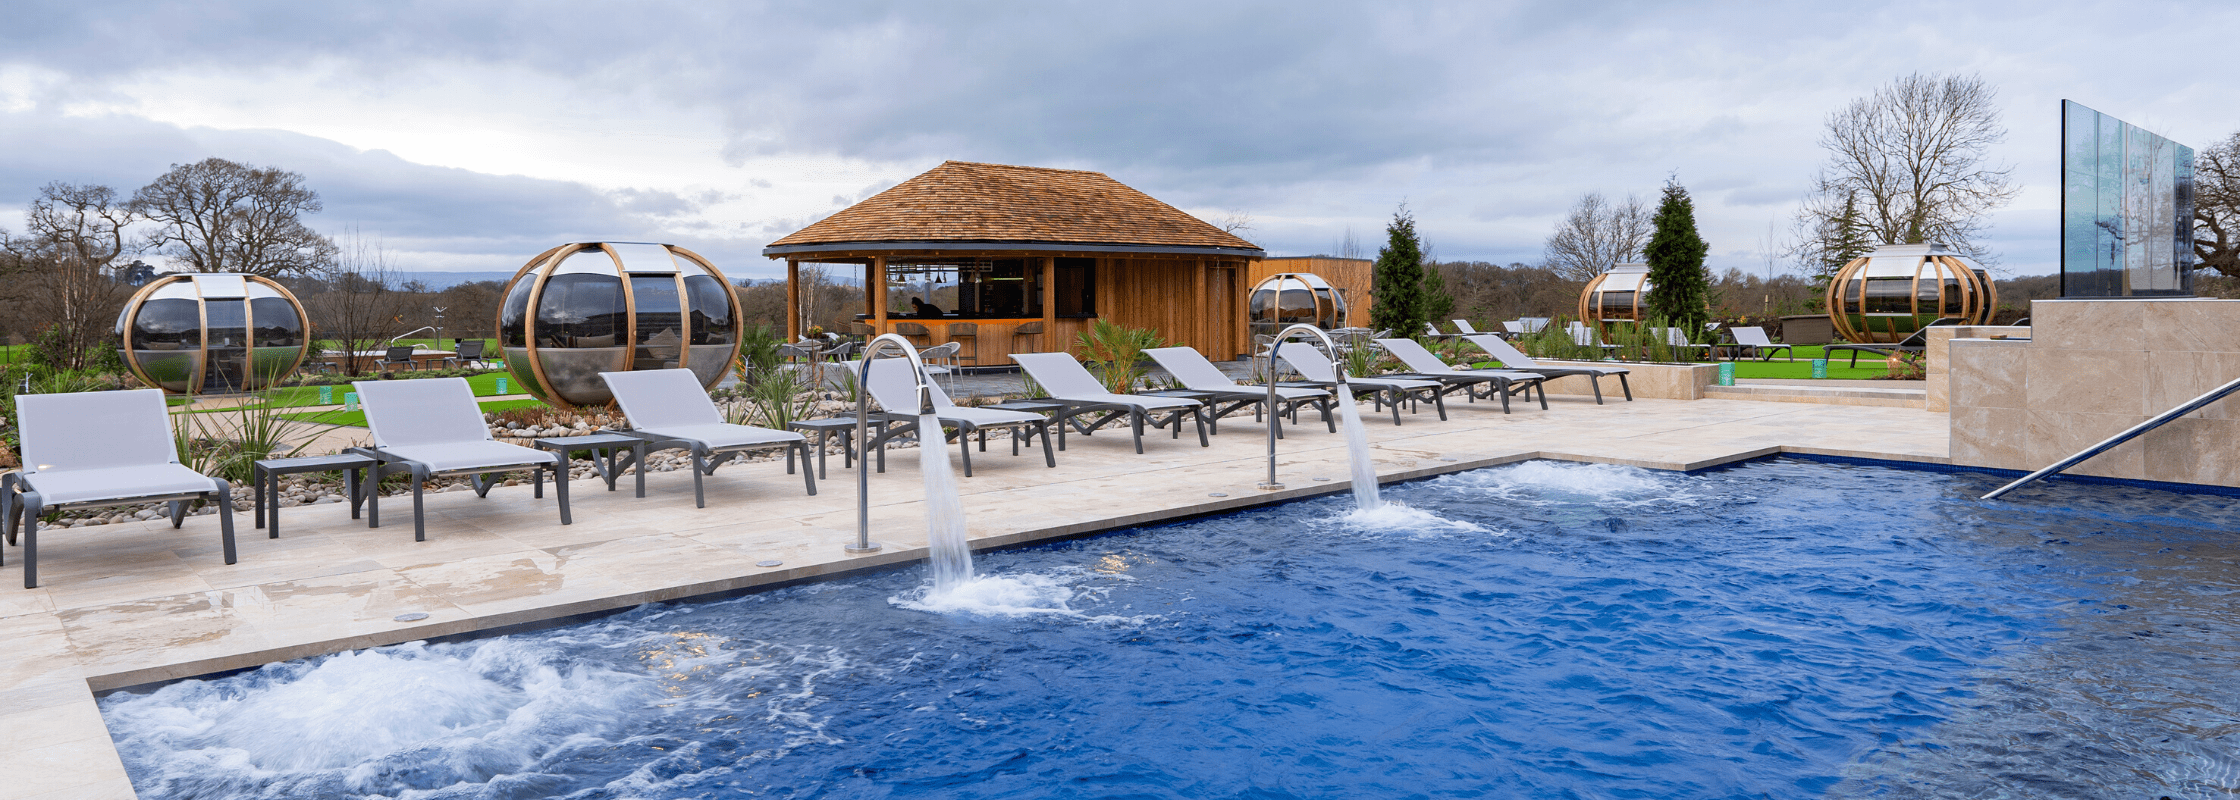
point(1198, 374)
point(1513, 359)
point(1421, 363)
point(897, 394)
point(1316, 368)
point(93, 449)
point(1071, 384)
point(1752, 342)
point(668, 409)
point(1917, 343)
point(431, 426)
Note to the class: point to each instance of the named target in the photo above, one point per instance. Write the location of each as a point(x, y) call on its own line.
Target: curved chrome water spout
point(1343, 393)
point(871, 350)
point(428, 328)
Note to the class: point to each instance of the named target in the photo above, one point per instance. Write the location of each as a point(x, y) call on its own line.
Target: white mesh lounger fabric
point(1514, 359)
point(1198, 374)
point(1070, 383)
point(1422, 363)
point(430, 427)
point(893, 388)
point(1316, 368)
point(668, 409)
point(100, 449)
point(1753, 342)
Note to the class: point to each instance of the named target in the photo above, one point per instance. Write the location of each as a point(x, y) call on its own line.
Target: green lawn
point(358, 418)
point(1871, 366)
point(484, 385)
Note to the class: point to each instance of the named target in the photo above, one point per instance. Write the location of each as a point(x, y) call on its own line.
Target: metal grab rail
point(2105, 445)
point(871, 351)
point(1342, 392)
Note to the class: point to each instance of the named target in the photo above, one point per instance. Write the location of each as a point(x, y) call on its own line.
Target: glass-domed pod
point(1620, 295)
point(1886, 295)
point(1286, 298)
point(580, 309)
point(212, 333)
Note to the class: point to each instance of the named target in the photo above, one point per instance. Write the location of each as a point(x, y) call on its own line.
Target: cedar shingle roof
point(962, 201)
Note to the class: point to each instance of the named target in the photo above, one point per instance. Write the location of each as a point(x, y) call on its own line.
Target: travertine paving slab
point(138, 602)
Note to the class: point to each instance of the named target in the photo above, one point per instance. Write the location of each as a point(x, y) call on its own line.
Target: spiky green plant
point(1115, 353)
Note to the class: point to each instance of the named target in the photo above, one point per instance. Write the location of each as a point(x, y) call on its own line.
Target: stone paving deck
point(134, 603)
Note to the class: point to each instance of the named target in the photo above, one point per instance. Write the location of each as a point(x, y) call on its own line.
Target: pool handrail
point(871, 352)
point(2110, 443)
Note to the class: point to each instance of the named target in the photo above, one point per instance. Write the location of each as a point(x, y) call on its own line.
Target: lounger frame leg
point(225, 519)
point(419, 501)
point(699, 468)
point(33, 506)
point(808, 479)
point(560, 485)
point(1049, 458)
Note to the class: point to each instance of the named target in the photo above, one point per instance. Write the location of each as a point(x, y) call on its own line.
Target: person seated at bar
point(925, 310)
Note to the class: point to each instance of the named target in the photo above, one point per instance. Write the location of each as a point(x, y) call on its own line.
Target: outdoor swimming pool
point(1780, 628)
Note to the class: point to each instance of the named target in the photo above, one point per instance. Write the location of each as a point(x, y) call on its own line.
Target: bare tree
point(810, 282)
point(218, 216)
point(1349, 245)
point(2216, 207)
point(1597, 235)
point(1236, 221)
point(358, 308)
point(1913, 158)
point(74, 236)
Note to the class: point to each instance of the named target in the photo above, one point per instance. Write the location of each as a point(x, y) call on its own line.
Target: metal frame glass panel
point(2126, 209)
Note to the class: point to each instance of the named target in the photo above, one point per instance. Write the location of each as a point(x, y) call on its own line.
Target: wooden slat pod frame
point(168, 341)
point(1619, 295)
point(584, 308)
point(1886, 295)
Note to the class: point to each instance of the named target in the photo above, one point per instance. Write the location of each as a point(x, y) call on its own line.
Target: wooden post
point(1050, 305)
point(877, 287)
point(1208, 341)
point(793, 300)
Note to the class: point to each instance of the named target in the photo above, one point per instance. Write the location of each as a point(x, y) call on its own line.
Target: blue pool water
point(1776, 629)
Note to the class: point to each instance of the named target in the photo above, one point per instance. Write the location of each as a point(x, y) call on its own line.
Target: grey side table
point(266, 475)
point(612, 444)
point(844, 426)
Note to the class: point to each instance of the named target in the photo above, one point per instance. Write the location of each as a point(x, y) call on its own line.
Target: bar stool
point(1033, 329)
point(918, 335)
point(859, 330)
point(963, 333)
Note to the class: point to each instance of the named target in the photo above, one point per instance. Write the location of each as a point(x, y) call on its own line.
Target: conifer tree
point(1396, 282)
point(1437, 303)
point(1679, 288)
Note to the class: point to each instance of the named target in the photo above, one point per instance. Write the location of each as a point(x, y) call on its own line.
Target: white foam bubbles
point(1395, 516)
point(466, 712)
point(1542, 482)
point(1025, 594)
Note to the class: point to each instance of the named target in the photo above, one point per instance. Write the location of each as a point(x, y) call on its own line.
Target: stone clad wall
point(2092, 369)
point(1937, 367)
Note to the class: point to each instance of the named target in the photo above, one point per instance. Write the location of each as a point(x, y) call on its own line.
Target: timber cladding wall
point(1350, 276)
point(1184, 299)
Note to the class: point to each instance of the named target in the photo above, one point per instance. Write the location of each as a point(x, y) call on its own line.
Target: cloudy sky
point(470, 136)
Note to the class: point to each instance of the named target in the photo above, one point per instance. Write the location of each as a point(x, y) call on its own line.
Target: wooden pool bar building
point(1027, 258)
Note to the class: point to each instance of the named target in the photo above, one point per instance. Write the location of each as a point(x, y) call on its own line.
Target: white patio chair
point(896, 393)
point(1316, 368)
point(669, 409)
point(1070, 383)
point(1424, 364)
point(93, 449)
point(1513, 359)
point(431, 427)
point(1198, 374)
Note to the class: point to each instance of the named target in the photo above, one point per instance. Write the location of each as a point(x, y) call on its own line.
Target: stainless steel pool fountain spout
point(871, 351)
point(1341, 391)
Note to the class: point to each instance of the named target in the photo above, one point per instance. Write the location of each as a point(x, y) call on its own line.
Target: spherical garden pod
point(1287, 298)
point(1886, 295)
point(212, 333)
point(1620, 295)
point(580, 309)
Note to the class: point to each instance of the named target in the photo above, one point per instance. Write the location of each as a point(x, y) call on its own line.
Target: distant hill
point(437, 281)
